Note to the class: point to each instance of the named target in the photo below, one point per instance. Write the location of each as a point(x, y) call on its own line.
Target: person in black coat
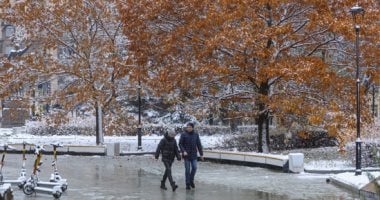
point(169, 150)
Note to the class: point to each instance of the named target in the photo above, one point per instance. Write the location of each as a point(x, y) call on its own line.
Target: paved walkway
point(138, 177)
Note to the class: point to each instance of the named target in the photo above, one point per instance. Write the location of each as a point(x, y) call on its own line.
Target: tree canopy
point(292, 61)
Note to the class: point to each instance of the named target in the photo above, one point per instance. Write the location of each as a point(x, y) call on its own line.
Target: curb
point(312, 171)
point(136, 153)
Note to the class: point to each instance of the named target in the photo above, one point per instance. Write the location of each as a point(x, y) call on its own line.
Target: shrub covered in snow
point(64, 130)
point(249, 141)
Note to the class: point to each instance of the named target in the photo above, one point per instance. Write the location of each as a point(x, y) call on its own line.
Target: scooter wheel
point(21, 185)
point(28, 189)
point(64, 187)
point(56, 195)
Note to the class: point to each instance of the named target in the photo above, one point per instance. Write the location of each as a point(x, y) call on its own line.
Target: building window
point(8, 50)
point(20, 92)
point(64, 53)
point(43, 89)
point(61, 82)
point(9, 31)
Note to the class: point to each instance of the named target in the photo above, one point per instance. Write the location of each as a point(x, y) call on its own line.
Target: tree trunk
point(99, 124)
point(260, 125)
point(267, 132)
point(233, 125)
point(262, 114)
point(210, 119)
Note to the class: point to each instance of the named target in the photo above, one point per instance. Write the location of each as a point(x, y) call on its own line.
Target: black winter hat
point(190, 124)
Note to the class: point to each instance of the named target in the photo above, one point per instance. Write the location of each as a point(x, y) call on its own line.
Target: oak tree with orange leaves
point(81, 41)
point(291, 60)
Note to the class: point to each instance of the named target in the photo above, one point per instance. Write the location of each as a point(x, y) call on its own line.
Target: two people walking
point(189, 144)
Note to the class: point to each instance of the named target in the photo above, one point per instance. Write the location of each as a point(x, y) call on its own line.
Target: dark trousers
point(168, 172)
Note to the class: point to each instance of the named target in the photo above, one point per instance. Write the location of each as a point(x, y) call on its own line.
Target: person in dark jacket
point(190, 145)
point(169, 150)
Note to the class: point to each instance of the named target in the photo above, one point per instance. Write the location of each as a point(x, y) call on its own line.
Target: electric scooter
point(32, 184)
point(6, 191)
point(55, 177)
point(22, 178)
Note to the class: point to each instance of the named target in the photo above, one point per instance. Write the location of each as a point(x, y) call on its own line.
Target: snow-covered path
point(138, 177)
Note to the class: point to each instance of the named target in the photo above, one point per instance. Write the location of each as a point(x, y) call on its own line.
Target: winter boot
point(163, 185)
point(188, 187)
point(192, 184)
point(174, 186)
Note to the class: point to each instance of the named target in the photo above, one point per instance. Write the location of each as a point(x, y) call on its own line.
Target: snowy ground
point(138, 177)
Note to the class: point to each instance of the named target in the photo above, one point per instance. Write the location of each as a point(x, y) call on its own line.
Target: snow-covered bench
point(258, 159)
point(85, 150)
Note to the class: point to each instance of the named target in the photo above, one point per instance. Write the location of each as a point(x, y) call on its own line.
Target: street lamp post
point(355, 11)
point(373, 101)
point(139, 147)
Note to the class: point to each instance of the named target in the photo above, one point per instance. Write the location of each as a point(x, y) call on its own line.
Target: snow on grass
point(127, 143)
point(73, 122)
point(328, 165)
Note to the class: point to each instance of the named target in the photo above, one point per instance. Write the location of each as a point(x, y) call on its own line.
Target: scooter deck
point(14, 182)
point(30, 188)
point(47, 190)
point(51, 184)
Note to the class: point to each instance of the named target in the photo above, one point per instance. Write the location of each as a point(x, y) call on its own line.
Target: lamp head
point(355, 11)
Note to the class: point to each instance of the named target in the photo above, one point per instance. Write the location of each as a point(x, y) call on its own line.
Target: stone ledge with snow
point(247, 157)
point(354, 182)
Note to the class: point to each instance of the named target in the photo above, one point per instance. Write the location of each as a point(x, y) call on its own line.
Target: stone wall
point(14, 113)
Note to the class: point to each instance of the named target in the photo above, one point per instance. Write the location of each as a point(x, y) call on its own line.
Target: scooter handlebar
point(26, 143)
point(38, 148)
point(11, 147)
point(56, 144)
point(6, 147)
